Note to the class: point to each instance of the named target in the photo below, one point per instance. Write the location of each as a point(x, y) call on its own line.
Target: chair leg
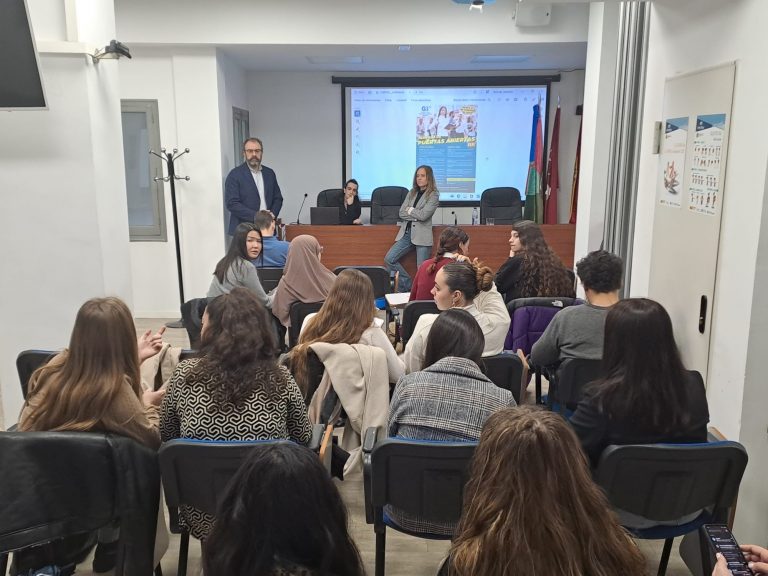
point(158, 570)
point(183, 553)
point(3, 564)
point(381, 547)
point(665, 556)
point(538, 386)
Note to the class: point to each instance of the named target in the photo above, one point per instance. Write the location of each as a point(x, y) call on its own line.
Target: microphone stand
point(455, 218)
point(298, 216)
point(169, 158)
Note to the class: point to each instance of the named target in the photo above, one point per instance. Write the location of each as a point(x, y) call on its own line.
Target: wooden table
point(367, 245)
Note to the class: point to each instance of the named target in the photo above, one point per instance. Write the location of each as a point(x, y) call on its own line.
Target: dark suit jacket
point(242, 197)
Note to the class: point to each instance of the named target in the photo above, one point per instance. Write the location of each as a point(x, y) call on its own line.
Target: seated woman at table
point(449, 398)
point(533, 269)
point(531, 507)
point(234, 390)
point(349, 209)
point(305, 279)
point(453, 246)
point(236, 268)
point(646, 395)
point(462, 285)
point(347, 317)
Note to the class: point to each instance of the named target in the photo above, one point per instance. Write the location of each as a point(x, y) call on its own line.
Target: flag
point(575, 185)
point(553, 174)
point(533, 201)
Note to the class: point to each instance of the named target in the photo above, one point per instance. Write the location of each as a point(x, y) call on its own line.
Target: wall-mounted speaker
point(530, 14)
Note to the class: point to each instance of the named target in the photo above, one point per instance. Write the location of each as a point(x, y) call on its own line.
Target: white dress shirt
point(258, 178)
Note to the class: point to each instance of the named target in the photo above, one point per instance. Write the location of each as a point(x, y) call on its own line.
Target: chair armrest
point(524, 375)
point(317, 437)
point(369, 443)
point(714, 435)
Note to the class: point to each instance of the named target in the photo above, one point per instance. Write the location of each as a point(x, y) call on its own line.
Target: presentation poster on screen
point(473, 137)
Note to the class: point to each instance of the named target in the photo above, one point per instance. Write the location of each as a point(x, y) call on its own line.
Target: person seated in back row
point(273, 251)
point(577, 331)
point(462, 285)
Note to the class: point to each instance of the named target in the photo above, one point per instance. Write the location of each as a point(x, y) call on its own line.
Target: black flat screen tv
point(21, 86)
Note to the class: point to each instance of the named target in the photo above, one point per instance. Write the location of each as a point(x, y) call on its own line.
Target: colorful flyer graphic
point(670, 186)
point(704, 188)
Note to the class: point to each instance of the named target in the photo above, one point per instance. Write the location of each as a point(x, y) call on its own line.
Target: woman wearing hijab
point(304, 279)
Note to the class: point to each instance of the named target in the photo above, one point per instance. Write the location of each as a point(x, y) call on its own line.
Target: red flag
point(575, 186)
point(553, 174)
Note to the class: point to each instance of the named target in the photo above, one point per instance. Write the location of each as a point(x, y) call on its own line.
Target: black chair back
point(59, 484)
point(330, 197)
point(299, 311)
point(385, 204)
point(411, 313)
point(664, 482)
point(192, 318)
point(379, 278)
point(503, 204)
point(269, 277)
point(506, 371)
point(566, 386)
point(27, 362)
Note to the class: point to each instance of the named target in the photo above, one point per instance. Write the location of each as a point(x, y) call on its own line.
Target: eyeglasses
point(253, 151)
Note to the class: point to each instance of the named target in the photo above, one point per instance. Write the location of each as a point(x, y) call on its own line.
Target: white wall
point(688, 35)
point(388, 22)
point(64, 217)
point(185, 84)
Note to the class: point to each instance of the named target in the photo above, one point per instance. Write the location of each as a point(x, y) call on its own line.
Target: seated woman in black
point(533, 268)
point(647, 395)
point(349, 209)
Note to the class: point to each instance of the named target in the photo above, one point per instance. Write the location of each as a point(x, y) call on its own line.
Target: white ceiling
point(388, 58)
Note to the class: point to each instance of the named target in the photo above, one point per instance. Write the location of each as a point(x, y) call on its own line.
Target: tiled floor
point(406, 556)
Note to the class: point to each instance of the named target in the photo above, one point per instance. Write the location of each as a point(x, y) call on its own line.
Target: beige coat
point(358, 374)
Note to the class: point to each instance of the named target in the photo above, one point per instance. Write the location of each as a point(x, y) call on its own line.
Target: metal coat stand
point(169, 158)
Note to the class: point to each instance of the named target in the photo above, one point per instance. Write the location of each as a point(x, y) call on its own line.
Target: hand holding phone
point(730, 558)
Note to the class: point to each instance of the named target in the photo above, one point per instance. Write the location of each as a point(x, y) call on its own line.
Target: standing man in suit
point(251, 187)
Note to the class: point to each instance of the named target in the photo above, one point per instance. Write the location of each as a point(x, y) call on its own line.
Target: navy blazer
point(242, 197)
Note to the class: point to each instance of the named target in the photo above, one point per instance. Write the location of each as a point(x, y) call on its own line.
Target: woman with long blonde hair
point(348, 316)
point(531, 507)
point(94, 385)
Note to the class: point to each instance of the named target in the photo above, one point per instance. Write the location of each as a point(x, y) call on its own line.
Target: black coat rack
point(170, 158)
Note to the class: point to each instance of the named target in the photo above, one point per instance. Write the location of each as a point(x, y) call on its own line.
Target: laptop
point(324, 215)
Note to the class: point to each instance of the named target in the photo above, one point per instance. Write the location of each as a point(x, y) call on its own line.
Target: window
point(146, 200)
point(240, 131)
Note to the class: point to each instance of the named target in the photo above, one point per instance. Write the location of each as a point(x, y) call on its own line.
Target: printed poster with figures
point(704, 194)
point(673, 162)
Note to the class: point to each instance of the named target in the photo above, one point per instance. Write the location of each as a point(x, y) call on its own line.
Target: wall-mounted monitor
point(21, 86)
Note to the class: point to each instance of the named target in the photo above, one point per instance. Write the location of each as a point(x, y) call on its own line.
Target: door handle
point(702, 314)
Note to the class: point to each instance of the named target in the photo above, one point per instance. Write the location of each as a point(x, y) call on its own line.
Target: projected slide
point(473, 137)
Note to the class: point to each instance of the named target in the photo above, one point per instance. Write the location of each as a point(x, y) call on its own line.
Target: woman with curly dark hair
point(282, 515)
point(533, 269)
point(234, 390)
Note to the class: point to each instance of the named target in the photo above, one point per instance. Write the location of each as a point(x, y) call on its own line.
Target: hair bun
point(483, 275)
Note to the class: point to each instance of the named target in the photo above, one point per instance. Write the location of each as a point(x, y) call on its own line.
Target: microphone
point(298, 216)
point(455, 218)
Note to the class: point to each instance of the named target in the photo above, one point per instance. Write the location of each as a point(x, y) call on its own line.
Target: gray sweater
point(574, 332)
point(240, 273)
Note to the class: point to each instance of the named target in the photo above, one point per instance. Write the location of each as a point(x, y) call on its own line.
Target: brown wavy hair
point(450, 238)
point(345, 315)
point(531, 507)
point(543, 274)
point(83, 381)
point(239, 346)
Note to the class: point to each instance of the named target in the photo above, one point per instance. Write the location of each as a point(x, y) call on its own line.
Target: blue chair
point(419, 477)
point(668, 482)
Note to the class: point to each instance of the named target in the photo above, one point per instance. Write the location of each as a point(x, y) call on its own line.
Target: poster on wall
point(670, 188)
point(704, 190)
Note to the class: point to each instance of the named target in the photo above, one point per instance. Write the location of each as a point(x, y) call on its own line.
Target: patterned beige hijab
point(304, 279)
